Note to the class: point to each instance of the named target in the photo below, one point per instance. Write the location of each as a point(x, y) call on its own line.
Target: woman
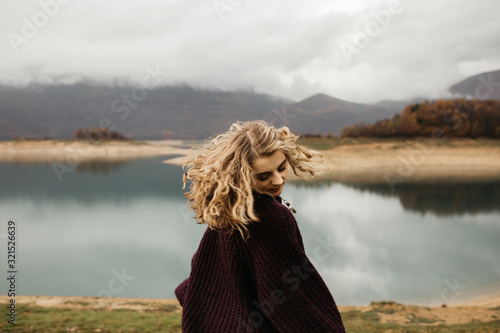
point(250, 272)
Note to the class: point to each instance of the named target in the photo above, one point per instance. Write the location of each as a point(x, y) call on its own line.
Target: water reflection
point(443, 199)
point(75, 234)
point(99, 167)
point(384, 252)
point(129, 180)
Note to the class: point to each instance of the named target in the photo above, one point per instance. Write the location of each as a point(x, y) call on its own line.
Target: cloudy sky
point(359, 50)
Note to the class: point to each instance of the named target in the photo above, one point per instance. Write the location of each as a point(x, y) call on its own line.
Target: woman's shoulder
point(274, 217)
point(267, 206)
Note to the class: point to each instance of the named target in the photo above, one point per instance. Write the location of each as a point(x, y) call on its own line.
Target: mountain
point(171, 112)
point(324, 114)
point(186, 112)
point(481, 86)
point(180, 112)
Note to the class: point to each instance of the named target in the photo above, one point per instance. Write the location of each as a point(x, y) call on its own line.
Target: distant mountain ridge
point(171, 112)
point(184, 112)
point(481, 86)
point(324, 114)
point(180, 112)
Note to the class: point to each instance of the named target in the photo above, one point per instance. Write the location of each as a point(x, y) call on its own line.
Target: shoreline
point(352, 161)
point(484, 309)
point(117, 302)
point(405, 161)
point(75, 152)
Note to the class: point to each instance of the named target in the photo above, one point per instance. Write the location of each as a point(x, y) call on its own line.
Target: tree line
point(453, 118)
point(95, 133)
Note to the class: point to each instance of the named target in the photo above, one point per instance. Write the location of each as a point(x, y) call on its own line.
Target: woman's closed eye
point(262, 178)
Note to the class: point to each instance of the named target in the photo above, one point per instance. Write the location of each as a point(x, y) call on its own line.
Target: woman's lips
point(276, 189)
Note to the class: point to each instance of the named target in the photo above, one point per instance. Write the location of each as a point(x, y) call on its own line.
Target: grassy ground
point(168, 319)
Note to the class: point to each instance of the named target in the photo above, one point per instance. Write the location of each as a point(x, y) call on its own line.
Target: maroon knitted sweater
point(264, 285)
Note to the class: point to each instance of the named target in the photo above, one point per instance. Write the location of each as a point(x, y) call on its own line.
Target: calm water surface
point(122, 230)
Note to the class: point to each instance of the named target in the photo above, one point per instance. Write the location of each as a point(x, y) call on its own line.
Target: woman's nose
point(277, 180)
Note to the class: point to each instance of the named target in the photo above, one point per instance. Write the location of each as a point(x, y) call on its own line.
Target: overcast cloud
point(361, 51)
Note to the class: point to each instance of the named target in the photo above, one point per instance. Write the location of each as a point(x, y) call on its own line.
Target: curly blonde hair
point(222, 177)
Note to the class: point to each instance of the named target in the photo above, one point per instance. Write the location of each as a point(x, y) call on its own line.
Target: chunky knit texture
point(264, 285)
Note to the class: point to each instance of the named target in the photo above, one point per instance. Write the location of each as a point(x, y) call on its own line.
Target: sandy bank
point(391, 161)
point(412, 162)
point(408, 161)
point(70, 151)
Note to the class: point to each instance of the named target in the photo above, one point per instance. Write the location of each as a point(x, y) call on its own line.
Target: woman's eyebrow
point(263, 173)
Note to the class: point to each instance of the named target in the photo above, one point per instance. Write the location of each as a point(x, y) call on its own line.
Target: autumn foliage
point(95, 133)
point(453, 118)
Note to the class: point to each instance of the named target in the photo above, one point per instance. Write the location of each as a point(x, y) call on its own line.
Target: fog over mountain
point(362, 51)
point(180, 112)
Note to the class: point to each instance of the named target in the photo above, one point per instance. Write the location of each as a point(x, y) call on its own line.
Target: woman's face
point(271, 172)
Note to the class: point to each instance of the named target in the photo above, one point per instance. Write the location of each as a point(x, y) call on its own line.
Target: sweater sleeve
point(290, 291)
point(180, 291)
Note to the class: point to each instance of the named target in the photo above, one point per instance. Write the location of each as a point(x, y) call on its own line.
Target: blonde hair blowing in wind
point(222, 177)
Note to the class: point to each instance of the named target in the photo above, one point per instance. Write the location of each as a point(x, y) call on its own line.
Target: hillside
point(481, 86)
point(324, 114)
point(442, 118)
point(171, 112)
point(185, 112)
point(168, 112)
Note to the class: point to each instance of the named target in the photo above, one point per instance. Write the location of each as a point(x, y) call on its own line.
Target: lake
point(122, 230)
